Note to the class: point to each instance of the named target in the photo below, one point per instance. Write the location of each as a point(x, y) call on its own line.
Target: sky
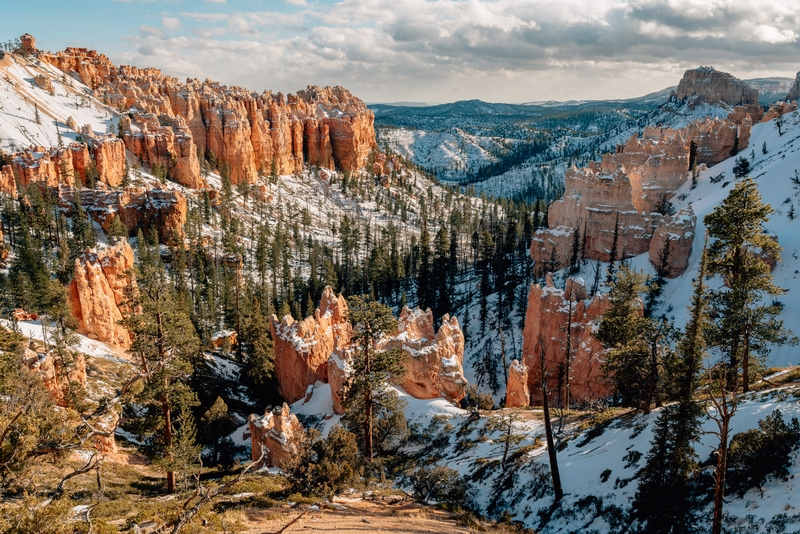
point(428, 50)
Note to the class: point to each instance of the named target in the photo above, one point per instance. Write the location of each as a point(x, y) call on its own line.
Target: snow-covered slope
point(21, 97)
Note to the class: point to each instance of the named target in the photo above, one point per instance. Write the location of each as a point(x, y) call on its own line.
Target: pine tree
point(746, 326)
point(663, 498)
point(165, 345)
point(612, 257)
point(370, 401)
point(425, 291)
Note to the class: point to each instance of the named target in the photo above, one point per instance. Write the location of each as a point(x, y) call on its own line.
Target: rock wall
point(546, 316)
point(302, 348)
point(711, 86)
point(318, 348)
point(136, 207)
point(278, 435)
point(794, 90)
point(54, 166)
point(629, 187)
point(250, 132)
point(98, 292)
point(679, 231)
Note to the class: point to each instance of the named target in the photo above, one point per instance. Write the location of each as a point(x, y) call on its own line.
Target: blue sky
point(428, 50)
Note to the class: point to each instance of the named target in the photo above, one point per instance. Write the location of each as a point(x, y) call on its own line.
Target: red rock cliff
point(97, 293)
point(545, 319)
point(277, 436)
point(250, 132)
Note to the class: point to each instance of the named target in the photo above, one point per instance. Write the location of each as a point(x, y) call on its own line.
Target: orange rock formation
point(302, 348)
point(56, 380)
point(277, 436)
point(249, 132)
point(517, 392)
point(545, 319)
point(97, 293)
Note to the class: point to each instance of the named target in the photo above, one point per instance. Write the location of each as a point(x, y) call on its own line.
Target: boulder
point(277, 436)
point(98, 292)
point(517, 392)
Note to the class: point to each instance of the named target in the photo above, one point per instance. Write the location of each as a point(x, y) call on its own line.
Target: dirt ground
point(355, 516)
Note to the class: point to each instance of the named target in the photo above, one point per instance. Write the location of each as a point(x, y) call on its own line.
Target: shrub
point(757, 454)
point(439, 484)
point(327, 466)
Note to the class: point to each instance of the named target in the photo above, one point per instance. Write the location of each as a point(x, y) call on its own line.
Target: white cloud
point(171, 23)
point(296, 2)
point(502, 50)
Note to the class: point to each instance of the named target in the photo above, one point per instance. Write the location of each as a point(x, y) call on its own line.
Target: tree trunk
point(548, 428)
point(746, 361)
point(168, 440)
point(722, 461)
point(651, 387)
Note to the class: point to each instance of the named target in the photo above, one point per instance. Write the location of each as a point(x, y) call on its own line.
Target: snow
point(19, 98)
point(88, 346)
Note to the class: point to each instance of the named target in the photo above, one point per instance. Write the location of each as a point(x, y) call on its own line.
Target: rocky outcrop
point(57, 377)
point(27, 44)
point(44, 82)
point(319, 348)
point(302, 348)
point(547, 314)
point(629, 190)
point(98, 292)
point(794, 90)
point(276, 436)
point(54, 166)
point(705, 84)
point(679, 231)
point(136, 207)
point(251, 133)
point(434, 361)
point(517, 392)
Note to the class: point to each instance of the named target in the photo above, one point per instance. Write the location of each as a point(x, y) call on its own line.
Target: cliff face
point(251, 133)
point(302, 348)
point(97, 293)
point(136, 207)
point(55, 378)
point(434, 361)
point(546, 316)
point(54, 166)
point(517, 392)
point(713, 87)
point(627, 189)
point(794, 91)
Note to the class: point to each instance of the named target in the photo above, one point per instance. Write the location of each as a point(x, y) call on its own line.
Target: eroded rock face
point(794, 90)
point(302, 348)
point(712, 86)
point(277, 435)
point(136, 207)
point(434, 361)
point(55, 379)
point(629, 188)
point(546, 316)
point(679, 231)
point(54, 166)
point(250, 132)
point(98, 292)
point(517, 392)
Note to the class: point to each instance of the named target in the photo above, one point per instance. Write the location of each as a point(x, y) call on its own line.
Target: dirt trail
point(348, 516)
